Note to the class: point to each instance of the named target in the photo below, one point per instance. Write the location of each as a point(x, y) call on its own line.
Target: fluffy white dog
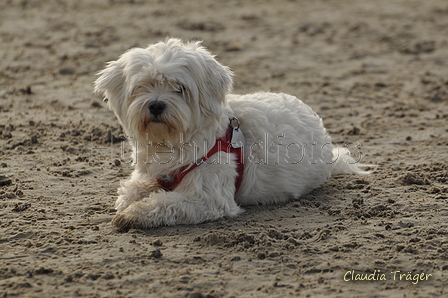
point(200, 152)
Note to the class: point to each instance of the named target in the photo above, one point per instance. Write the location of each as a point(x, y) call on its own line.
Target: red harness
point(170, 182)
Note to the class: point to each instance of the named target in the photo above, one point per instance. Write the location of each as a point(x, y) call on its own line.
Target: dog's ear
point(214, 80)
point(110, 81)
point(219, 79)
point(111, 85)
point(217, 83)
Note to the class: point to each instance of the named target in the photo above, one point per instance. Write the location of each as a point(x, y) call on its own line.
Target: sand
point(375, 71)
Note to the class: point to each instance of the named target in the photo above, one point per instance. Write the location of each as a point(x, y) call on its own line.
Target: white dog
point(200, 152)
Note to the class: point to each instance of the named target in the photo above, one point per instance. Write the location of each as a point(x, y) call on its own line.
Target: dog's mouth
point(159, 123)
point(157, 120)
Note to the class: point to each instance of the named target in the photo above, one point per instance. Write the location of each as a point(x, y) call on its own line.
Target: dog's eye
point(138, 90)
point(180, 89)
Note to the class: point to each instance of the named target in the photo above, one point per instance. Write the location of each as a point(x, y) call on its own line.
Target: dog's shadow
point(302, 213)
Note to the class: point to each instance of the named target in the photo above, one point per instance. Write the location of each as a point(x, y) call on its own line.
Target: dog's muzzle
point(156, 108)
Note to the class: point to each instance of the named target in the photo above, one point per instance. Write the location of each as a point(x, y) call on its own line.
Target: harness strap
point(170, 182)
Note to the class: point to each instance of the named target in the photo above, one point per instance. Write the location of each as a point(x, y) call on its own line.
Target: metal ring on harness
point(237, 121)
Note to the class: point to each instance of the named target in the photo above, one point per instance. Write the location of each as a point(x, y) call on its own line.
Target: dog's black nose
point(156, 108)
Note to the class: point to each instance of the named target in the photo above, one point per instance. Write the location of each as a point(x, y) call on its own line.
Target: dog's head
point(167, 89)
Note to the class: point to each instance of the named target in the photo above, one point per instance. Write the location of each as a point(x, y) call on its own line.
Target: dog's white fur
point(288, 151)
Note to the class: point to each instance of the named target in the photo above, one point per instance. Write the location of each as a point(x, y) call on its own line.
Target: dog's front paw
point(141, 215)
point(133, 191)
point(123, 222)
point(130, 218)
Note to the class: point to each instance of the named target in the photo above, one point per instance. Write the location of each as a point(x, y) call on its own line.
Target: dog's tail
point(344, 163)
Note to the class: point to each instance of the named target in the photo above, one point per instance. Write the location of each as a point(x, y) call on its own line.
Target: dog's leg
point(134, 190)
point(172, 208)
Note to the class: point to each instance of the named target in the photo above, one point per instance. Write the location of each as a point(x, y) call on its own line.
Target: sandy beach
point(375, 71)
